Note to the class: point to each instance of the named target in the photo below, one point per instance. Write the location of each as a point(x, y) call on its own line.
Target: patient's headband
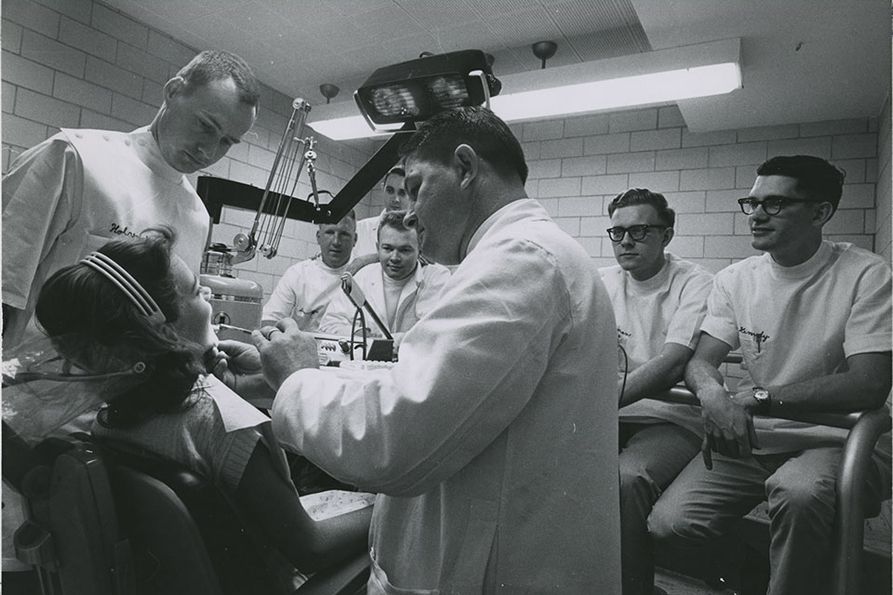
point(129, 286)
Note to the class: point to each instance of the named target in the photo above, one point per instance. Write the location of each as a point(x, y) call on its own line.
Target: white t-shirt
point(79, 189)
point(796, 323)
point(667, 308)
point(304, 293)
point(367, 235)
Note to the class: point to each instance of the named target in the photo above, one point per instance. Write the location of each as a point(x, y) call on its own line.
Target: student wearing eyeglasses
point(659, 302)
point(812, 319)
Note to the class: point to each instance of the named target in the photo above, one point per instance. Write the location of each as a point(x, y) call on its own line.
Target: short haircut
point(215, 65)
point(397, 170)
point(351, 214)
point(394, 220)
point(816, 178)
point(477, 127)
point(643, 196)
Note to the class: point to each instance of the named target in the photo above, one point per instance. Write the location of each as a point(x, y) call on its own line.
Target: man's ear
point(174, 87)
point(823, 213)
point(669, 233)
point(469, 164)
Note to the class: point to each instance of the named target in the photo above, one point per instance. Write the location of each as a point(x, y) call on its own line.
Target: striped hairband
point(129, 286)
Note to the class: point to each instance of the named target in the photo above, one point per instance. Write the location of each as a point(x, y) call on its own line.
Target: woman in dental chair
point(135, 308)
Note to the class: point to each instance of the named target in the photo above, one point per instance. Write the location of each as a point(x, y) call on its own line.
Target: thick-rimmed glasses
point(771, 206)
point(636, 232)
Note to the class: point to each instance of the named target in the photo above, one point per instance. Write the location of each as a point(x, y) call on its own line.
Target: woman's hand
point(238, 366)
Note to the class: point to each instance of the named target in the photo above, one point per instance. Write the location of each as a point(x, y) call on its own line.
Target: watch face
point(761, 394)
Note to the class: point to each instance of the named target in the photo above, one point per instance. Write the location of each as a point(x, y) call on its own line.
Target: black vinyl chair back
point(170, 514)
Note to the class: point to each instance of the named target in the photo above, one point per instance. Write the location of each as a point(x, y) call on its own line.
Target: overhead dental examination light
point(392, 100)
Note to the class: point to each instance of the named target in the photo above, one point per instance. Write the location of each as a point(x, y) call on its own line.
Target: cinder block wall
point(577, 165)
point(884, 191)
point(79, 63)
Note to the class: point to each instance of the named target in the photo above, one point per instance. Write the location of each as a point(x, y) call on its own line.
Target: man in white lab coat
point(399, 288)
point(493, 440)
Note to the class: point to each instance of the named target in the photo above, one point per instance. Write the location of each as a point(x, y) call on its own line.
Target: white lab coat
point(417, 298)
point(304, 293)
point(493, 441)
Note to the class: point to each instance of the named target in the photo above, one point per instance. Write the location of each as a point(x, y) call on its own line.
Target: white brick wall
point(883, 174)
point(701, 174)
point(79, 63)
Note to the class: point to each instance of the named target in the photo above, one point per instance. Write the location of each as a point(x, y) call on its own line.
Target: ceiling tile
point(433, 14)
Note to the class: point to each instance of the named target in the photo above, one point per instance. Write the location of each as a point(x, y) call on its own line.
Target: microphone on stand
point(358, 299)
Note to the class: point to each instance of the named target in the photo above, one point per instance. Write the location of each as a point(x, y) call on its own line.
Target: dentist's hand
point(284, 349)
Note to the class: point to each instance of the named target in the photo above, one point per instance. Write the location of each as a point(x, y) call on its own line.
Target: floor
point(678, 584)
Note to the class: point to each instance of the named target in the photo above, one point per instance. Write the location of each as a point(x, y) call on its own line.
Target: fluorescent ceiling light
point(644, 89)
point(628, 81)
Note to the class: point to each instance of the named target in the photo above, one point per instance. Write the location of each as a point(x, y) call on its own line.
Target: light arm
point(657, 374)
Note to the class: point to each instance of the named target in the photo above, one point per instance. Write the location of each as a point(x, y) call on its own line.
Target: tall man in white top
point(659, 302)
point(812, 319)
point(493, 440)
point(73, 192)
point(401, 290)
point(394, 194)
point(307, 288)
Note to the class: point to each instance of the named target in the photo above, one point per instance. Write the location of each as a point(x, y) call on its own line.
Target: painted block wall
point(79, 63)
point(577, 165)
point(884, 191)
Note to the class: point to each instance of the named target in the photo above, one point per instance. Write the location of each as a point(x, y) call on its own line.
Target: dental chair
point(105, 518)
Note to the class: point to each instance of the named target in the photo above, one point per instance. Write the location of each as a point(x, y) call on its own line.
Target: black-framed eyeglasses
point(636, 232)
point(771, 206)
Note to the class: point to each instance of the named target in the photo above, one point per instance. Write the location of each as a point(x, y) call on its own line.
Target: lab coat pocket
point(379, 583)
point(470, 570)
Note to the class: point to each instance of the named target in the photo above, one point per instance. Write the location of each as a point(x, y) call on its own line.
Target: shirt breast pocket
point(752, 346)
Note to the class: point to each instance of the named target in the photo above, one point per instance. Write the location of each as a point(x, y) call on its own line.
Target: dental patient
point(134, 306)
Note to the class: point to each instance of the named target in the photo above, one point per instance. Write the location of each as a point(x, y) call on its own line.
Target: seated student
point(659, 302)
point(401, 290)
point(305, 290)
point(135, 305)
point(394, 194)
point(812, 319)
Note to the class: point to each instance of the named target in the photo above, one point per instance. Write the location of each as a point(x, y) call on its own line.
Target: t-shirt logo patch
point(117, 229)
point(759, 337)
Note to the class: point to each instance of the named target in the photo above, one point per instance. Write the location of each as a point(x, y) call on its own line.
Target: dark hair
point(816, 178)
point(397, 170)
point(93, 324)
point(477, 127)
point(215, 65)
point(643, 196)
point(394, 220)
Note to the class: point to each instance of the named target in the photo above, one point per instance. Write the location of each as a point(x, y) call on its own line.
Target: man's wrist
point(761, 400)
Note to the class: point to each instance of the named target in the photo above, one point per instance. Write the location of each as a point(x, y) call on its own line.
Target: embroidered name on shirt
point(115, 228)
point(759, 337)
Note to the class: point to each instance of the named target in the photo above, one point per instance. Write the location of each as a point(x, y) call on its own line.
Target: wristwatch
point(761, 395)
